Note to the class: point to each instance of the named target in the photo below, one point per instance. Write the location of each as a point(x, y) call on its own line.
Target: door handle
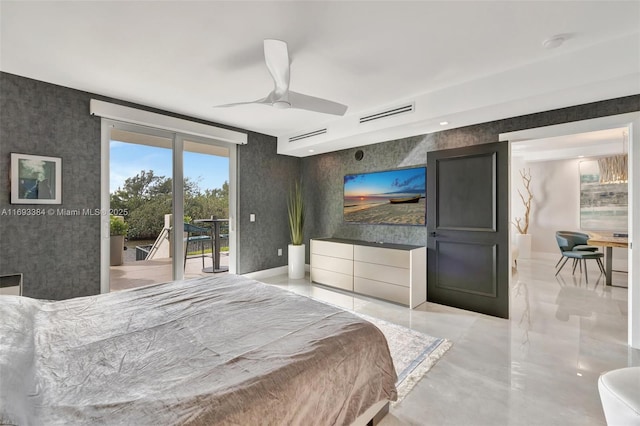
point(434, 234)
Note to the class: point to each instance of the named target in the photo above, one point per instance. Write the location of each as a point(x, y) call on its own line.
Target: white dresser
point(394, 272)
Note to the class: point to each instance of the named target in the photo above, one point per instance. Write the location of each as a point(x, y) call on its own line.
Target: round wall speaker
point(359, 155)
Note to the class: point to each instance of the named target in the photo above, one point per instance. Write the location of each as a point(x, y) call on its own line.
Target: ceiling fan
point(276, 55)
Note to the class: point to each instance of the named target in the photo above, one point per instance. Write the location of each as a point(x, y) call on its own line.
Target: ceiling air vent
point(307, 135)
point(405, 109)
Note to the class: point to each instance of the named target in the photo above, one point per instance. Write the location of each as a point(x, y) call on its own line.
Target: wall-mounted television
point(390, 197)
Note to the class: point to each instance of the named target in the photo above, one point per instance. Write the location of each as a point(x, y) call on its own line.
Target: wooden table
point(608, 243)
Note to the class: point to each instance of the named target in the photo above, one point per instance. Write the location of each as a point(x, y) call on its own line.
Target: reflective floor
point(539, 368)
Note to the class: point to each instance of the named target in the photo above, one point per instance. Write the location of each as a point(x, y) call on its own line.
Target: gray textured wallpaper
point(59, 255)
point(324, 173)
point(323, 176)
point(263, 184)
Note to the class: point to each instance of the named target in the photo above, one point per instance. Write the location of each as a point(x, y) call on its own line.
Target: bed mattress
point(214, 350)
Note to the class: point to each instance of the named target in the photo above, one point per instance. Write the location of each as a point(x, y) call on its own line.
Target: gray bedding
point(219, 350)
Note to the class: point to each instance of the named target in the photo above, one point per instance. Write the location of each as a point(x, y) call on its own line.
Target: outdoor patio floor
point(144, 272)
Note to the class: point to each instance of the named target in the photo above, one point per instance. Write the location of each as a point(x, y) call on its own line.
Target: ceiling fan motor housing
point(281, 104)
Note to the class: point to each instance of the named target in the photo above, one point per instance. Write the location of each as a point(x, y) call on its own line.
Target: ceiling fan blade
point(311, 103)
point(259, 101)
point(276, 55)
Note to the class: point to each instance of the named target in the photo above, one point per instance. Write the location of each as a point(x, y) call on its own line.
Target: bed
point(213, 350)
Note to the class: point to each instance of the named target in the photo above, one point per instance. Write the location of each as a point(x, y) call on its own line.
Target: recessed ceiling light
point(311, 150)
point(444, 123)
point(580, 156)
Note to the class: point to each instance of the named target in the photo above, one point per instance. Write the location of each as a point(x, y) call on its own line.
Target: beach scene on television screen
point(394, 197)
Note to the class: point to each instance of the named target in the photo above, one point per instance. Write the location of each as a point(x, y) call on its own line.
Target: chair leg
point(575, 263)
point(601, 266)
point(586, 275)
point(562, 266)
point(560, 260)
point(580, 263)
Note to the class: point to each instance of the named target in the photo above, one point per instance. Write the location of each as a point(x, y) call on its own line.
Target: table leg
point(211, 269)
point(608, 264)
point(216, 253)
point(216, 261)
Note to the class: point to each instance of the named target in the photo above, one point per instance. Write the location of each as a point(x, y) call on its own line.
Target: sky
point(128, 160)
point(386, 183)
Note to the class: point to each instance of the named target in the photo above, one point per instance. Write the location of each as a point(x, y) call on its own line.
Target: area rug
point(413, 353)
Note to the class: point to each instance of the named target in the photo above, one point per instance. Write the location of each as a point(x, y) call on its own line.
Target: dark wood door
point(468, 228)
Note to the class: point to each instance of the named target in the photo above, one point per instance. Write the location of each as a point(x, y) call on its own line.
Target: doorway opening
point(624, 260)
point(569, 195)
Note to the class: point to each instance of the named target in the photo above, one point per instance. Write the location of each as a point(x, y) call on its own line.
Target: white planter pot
point(116, 243)
point(296, 262)
point(523, 242)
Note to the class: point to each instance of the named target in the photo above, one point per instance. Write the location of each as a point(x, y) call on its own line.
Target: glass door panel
point(206, 208)
point(141, 196)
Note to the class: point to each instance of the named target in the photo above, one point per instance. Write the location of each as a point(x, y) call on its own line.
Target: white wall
point(555, 206)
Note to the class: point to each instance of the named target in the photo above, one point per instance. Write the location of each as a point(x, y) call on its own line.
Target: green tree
point(148, 198)
point(211, 202)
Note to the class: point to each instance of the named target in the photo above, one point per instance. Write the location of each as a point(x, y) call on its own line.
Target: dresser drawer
point(335, 264)
point(382, 256)
point(389, 274)
point(394, 293)
point(333, 279)
point(328, 248)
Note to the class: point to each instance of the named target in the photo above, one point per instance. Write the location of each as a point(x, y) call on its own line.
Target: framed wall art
point(603, 204)
point(36, 179)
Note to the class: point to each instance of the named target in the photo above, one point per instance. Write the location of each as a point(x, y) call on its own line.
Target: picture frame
point(603, 206)
point(36, 179)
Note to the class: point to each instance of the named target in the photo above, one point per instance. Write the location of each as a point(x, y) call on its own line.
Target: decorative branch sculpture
point(523, 228)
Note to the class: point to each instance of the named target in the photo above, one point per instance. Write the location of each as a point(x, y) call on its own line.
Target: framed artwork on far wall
point(603, 206)
point(36, 179)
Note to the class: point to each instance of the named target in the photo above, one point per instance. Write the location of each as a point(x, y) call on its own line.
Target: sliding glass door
point(171, 194)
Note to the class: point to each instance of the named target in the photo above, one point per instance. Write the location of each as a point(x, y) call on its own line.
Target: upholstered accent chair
point(580, 239)
point(573, 246)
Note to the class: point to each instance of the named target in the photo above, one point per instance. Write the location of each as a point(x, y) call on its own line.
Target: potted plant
point(523, 238)
point(295, 208)
point(117, 231)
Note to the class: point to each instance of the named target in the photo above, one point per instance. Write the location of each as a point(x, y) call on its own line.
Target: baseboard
point(266, 273)
point(273, 272)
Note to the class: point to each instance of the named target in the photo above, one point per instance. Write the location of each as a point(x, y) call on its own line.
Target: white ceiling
point(591, 144)
point(463, 62)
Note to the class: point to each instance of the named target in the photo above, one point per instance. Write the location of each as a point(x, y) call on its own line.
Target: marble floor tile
point(540, 367)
